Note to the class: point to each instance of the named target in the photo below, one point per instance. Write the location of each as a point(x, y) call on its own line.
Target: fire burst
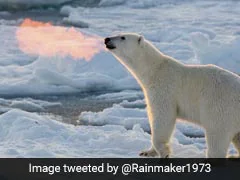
point(44, 39)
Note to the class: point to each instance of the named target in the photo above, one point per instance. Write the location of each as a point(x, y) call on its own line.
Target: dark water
point(53, 16)
point(71, 105)
point(23, 5)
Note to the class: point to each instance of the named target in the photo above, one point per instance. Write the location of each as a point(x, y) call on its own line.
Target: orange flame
point(44, 39)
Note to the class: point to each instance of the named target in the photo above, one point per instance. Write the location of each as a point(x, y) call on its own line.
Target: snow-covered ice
point(128, 116)
point(193, 31)
point(24, 134)
point(26, 104)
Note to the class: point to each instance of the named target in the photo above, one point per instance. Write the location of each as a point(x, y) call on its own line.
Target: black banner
point(116, 168)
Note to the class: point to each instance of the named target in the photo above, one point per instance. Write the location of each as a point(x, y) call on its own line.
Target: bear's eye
point(123, 38)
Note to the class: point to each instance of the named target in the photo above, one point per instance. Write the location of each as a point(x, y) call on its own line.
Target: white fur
point(203, 94)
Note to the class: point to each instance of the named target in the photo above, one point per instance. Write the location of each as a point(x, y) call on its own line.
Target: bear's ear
point(141, 40)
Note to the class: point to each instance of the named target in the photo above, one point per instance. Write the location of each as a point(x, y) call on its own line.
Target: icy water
point(74, 104)
point(68, 107)
point(51, 15)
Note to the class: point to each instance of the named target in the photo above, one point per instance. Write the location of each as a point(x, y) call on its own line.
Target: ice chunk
point(27, 104)
point(71, 20)
point(225, 55)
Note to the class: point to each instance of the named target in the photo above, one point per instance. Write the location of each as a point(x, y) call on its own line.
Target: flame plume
point(45, 39)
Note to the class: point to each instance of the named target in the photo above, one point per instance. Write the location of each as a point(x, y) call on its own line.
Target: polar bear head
point(127, 47)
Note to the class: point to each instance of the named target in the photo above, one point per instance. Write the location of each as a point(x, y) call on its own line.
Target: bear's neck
point(147, 64)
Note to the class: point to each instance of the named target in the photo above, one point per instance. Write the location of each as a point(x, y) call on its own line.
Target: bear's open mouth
point(110, 46)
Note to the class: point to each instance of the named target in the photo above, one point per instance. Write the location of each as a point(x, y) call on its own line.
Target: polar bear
point(203, 94)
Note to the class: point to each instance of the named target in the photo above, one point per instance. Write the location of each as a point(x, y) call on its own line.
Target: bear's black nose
point(107, 40)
